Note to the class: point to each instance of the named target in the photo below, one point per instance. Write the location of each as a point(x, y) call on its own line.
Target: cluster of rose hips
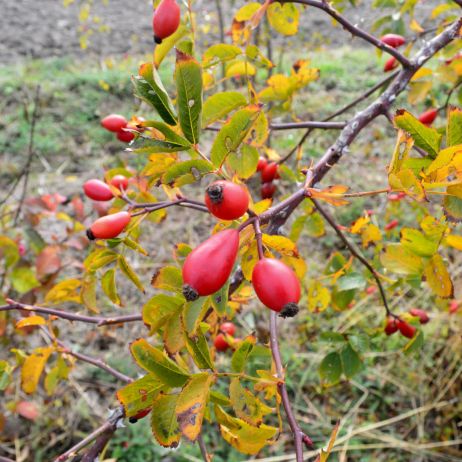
point(109, 226)
point(118, 124)
point(407, 330)
point(208, 267)
point(269, 171)
point(395, 41)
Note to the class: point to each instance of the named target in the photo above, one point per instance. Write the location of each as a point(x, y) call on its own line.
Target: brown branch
point(308, 124)
point(100, 444)
point(99, 363)
point(203, 448)
point(98, 320)
point(344, 109)
point(300, 438)
point(109, 425)
point(354, 30)
point(328, 217)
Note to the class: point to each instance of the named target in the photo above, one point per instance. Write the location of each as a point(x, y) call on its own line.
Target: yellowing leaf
point(33, 367)
point(332, 195)
point(239, 69)
point(283, 18)
point(246, 12)
point(318, 297)
point(403, 147)
point(454, 241)
point(399, 260)
point(280, 244)
point(64, 291)
point(31, 321)
point(191, 405)
point(438, 277)
point(140, 394)
point(244, 437)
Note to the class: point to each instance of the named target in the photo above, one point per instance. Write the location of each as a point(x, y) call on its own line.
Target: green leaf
point(5, 374)
point(88, 292)
point(399, 260)
point(188, 76)
point(158, 310)
point(173, 335)
point(438, 277)
point(191, 404)
point(128, 271)
point(240, 356)
point(330, 368)
point(219, 105)
point(218, 53)
point(134, 245)
point(233, 133)
point(150, 89)
point(140, 394)
point(193, 313)
point(161, 50)
point(220, 299)
point(415, 344)
point(168, 278)
point(108, 283)
point(351, 281)
point(453, 203)
point(172, 142)
point(244, 162)
point(418, 243)
point(155, 361)
point(99, 258)
point(23, 279)
point(351, 362)
point(164, 423)
point(454, 128)
point(246, 405)
point(215, 397)
point(199, 351)
point(425, 137)
point(186, 172)
point(332, 337)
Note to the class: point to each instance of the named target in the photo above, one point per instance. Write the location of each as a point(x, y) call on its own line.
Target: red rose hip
point(228, 328)
point(393, 40)
point(166, 20)
point(125, 136)
point(226, 200)
point(262, 163)
point(120, 182)
point(391, 225)
point(390, 64)
point(114, 122)
point(269, 173)
point(220, 343)
point(406, 329)
point(421, 314)
point(97, 190)
point(277, 286)
point(391, 326)
point(428, 117)
point(267, 190)
point(207, 268)
point(109, 226)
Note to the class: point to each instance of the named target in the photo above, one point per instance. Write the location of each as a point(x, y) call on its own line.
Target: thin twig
point(354, 30)
point(300, 438)
point(30, 155)
point(100, 443)
point(308, 124)
point(110, 424)
point(98, 320)
point(203, 448)
point(328, 217)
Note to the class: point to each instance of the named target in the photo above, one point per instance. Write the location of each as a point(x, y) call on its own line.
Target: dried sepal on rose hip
point(277, 286)
point(208, 267)
point(227, 200)
point(166, 20)
point(108, 227)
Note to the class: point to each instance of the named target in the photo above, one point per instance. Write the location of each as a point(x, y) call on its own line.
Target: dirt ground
point(45, 28)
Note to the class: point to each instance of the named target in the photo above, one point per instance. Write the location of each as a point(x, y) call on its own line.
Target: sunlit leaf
point(438, 278)
point(219, 105)
point(33, 367)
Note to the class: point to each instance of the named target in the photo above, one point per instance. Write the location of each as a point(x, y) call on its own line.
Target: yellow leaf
point(332, 195)
point(438, 277)
point(191, 405)
point(359, 225)
point(31, 321)
point(454, 241)
point(422, 72)
point(33, 367)
point(64, 291)
point(415, 26)
point(249, 260)
point(283, 18)
point(403, 147)
point(318, 297)
point(240, 68)
point(297, 264)
point(280, 244)
point(370, 235)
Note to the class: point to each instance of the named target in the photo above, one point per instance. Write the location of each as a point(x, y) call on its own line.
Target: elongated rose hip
point(109, 226)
